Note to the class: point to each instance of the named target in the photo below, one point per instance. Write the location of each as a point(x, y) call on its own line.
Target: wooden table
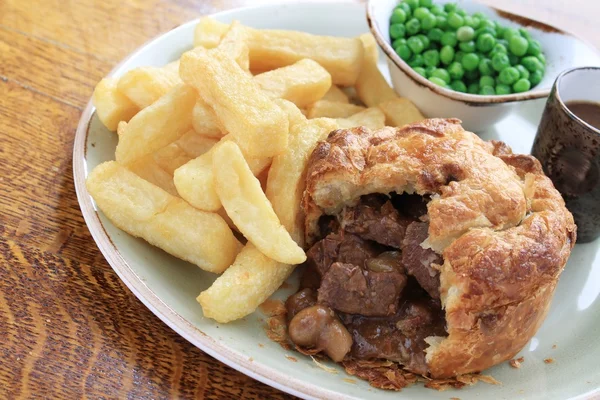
point(68, 326)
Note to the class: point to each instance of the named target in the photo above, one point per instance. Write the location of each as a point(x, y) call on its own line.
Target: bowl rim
point(470, 99)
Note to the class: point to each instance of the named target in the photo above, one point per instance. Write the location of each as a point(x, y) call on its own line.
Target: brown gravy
point(586, 110)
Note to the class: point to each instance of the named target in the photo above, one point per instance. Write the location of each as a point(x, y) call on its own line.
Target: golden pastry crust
point(502, 228)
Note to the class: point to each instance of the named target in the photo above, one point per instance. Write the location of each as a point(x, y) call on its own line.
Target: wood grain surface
point(69, 328)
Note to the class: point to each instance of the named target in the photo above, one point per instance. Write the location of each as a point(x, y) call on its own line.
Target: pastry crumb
point(516, 362)
point(454, 398)
point(549, 360)
point(293, 359)
point(554, 346)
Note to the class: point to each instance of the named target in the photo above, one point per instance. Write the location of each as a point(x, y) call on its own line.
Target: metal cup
point(569, 148)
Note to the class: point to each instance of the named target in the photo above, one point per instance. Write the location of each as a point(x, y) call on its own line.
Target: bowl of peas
point(470, 61)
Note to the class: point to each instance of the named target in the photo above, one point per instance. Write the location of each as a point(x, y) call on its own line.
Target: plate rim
point(209, 345)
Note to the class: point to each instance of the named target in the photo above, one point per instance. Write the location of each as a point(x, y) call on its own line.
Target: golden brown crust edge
point(502, 228)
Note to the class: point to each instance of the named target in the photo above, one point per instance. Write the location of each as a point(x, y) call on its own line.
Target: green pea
point(425, 40)
point(534, 48)
point(482, 31)
point(536, 77)
point(420, 71)
point(449, 7)
point(397, 31)
point(428, 22)
point(415, 44)
point(492, 53)
point(500, 61)
point(442, 74)
point(499, 48)
point(523, 72)
point(441, 22)
point(510, 32)
point(398, 16)
point(431, 58)
point(413, 26)
point(449, 39)
point(438, 81)
point(485, 42)
point(513, 60)
point(518, 45)
point(472, 76)
point(487, 90)
point(472, 22)
point(467, 47)
point(503, 89)
point(503, 43)
point(486, 23)
point(456, 70)
point(473, 88)
point(447, 54)
point(459, 56)
point(406, 8)
point(455, 20)
point(421, 13)
point(542, 58)
point(429, 71)
point(522, 85)
point(436, 9)
point(398, 42)
point(479, 15)
point(509, 75)
point(416, 60)
point(426, 3)
point(486, 81)
point(465, 33)
point(458, 86)
point(525, 33)
point(500, 32)
point(435, 35)
point(470, 61)
point(485, 67)
point(414, 4)
point(404, 52)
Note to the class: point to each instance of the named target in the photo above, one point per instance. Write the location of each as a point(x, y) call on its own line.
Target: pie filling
point(370, 291)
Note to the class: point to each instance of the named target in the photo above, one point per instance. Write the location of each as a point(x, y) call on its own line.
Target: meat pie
point(433, 248)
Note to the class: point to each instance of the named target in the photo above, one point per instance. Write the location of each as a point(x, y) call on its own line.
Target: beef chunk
point(299, 301)
point(343, 247)
point(355, 250)
point(351, 289)
point(375, 220)
point(411, 205)
point(400, 337)
point(418, 260)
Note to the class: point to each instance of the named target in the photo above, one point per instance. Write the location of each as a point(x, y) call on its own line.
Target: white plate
point(168, 286)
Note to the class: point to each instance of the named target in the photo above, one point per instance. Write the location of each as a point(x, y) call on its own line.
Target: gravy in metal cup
point(586, 110)
point(568, 146)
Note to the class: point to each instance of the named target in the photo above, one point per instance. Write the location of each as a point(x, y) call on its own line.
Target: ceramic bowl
point(478, 112)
